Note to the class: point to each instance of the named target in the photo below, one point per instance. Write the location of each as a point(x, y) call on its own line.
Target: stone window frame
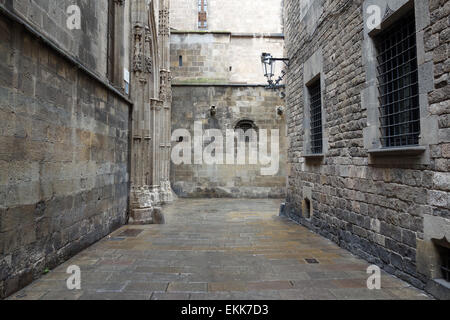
point(252, 123)
point(245, 121)
point(392, 11)
point(202, 14)
point(115, 39)
point(315, 106)
point(313, 69)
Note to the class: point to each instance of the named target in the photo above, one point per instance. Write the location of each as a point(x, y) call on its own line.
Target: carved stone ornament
point(164, 22)
point(165, 93)
point(142, 61)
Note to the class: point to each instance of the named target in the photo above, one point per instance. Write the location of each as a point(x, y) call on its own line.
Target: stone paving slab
point(217, 249)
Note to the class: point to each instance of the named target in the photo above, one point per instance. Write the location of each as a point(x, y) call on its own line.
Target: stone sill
point(314, 156)
point(442, 283)
point(217, 84)
point(439, 288)
point(406, 151)
point(233, 34)
point(199, 32)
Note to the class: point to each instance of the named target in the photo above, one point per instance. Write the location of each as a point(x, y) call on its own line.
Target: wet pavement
point(217, 249)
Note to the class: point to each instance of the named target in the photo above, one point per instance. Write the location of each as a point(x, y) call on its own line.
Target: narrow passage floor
point(217, 249)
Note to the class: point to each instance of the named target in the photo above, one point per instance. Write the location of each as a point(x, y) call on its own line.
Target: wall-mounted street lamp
point(268, 64)
point(213, 111)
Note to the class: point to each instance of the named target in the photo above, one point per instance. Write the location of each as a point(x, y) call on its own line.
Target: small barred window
point(315, 106)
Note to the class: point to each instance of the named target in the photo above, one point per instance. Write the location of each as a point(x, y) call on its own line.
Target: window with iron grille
point(202, 14)
point(398, 84)
point(445, 263)
point(315, 107)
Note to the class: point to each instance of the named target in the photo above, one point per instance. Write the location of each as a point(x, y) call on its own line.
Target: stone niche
point(431, 252)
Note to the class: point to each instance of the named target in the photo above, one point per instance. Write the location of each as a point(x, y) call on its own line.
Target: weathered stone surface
point(374, 208)
point(232, 16)
point(232, 104)
point(222, 57)
point(238, 249)
point(64, 171)
point(50, 17)
point(70, 146)
point(158, 216)
point(217, 81)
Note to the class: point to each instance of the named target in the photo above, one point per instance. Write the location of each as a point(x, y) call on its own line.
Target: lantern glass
point(268, 65)
point(272, 69)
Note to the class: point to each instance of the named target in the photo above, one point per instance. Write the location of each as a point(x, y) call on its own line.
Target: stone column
point(166, 98)
point(151, 93)
point(142, 198)
point(156, 106)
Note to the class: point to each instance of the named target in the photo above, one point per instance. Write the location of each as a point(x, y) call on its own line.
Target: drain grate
point(130, 233)
point(312, 261)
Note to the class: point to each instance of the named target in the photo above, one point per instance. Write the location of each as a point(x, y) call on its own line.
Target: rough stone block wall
point(64, 150)
point(205, 57)
point(50, 17)
point(220, 57)
point(184, 15)
point(437, 44)
point(193, 103)
point(263, 16)
point(377, 211)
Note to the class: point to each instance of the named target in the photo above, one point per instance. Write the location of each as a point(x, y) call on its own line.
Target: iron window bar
point(315, 95)
point(399, 89)
point(398, 77)
point(401, 55)
point(389, 50)
point(445, 267)
point(398, 84)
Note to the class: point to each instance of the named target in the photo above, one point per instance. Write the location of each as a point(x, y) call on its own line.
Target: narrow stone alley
point(217, 249)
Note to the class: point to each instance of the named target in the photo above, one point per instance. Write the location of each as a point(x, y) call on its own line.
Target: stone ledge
point(314, 156)
point(406, 151)
point(232, 34)
point(439, 288)
point(218, 84)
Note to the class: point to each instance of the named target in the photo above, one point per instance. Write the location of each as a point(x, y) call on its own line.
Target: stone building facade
point(382, 194)
point(85, 123)
point(215, 57)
